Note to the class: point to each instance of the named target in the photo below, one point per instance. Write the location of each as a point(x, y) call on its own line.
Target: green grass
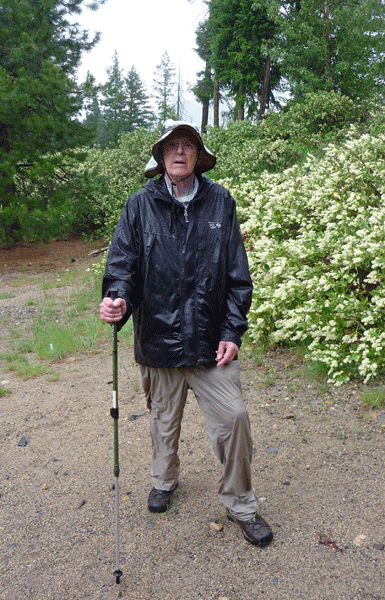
point(9, 356)
point(50, 306)
point(6, 295)
point(25, 346)
point(53, 339)
point(77, 303)
point(15, 333)
point(52, 375)
point(61, 279)
point(64, 326)
point(269, 378)
point(4, 391)
point(373, 398)
point(28, 369)
point(19, 281)
point(127, 333)
point(22, 366)
point(47, 285)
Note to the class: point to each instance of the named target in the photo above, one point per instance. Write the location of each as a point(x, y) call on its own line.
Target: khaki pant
point(218, 393)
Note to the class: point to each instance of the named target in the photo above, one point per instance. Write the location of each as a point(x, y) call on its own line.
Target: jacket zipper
point(186, 215)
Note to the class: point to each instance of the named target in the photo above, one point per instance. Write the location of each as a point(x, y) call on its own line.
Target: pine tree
point(138, 110)
point(39, 102)
point(164, 87)
point(91, 105)
point(204, 87)
point(239, 32)
point(180, 97)
point(113, 104)
point(331, 45)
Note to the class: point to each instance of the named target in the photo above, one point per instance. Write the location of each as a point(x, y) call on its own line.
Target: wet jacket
point(183, 273)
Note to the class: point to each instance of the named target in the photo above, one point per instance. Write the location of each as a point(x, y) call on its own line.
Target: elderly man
point(177, 264)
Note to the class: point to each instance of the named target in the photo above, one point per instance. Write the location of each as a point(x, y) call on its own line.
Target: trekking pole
point(115, 415)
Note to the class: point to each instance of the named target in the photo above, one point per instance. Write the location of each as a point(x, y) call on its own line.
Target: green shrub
point(115, 174)
point(283, 139)
point(84, 194)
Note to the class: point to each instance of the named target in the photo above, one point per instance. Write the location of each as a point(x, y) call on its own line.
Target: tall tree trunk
point(326, 20)
point(216, 103)
point(206, 99)
point(241, 112)
point(179, 105)
point(265, 89)
point(240, 103)
point(10, 187)
point(205, 117)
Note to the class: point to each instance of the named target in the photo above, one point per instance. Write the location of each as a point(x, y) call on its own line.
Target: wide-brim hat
point(206, 159)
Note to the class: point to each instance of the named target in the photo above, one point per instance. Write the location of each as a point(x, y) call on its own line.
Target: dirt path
point(319, 470)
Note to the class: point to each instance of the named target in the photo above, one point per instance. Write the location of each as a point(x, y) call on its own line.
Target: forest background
point(307, 173)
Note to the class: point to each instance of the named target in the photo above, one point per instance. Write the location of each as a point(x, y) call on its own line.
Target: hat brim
point(206, 159)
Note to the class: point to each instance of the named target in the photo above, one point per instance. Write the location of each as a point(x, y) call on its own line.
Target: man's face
point(180, 154)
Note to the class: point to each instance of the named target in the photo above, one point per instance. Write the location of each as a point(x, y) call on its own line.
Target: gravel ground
point(319, 466)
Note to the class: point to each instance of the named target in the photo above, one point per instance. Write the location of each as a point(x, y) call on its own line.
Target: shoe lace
point(256, 523)
point(158, 494)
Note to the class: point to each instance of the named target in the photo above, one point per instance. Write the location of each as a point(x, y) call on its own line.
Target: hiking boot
point(255, 531)
point(159, 501)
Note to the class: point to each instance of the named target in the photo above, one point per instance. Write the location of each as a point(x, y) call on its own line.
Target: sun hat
point(206, 159)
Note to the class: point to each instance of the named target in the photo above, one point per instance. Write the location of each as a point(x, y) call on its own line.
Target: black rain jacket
point(183, 273)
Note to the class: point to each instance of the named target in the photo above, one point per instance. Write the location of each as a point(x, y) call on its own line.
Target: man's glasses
point(173, 147)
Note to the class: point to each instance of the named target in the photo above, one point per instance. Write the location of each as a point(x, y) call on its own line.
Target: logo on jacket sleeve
point(213, 225)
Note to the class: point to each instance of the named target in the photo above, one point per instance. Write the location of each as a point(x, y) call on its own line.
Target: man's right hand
point(111, 311)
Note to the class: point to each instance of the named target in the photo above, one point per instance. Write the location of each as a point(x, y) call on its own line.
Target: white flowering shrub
point(315, 240)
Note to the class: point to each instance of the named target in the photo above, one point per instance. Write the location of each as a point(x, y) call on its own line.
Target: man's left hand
point(225, 353)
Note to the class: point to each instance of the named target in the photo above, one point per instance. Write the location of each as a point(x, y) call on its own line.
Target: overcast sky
point(141, 31)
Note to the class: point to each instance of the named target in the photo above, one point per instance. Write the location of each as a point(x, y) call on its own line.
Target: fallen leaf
point(216, 526)
point(328, 542)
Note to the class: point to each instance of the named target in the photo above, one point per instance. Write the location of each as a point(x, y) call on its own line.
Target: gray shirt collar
point(184, 199)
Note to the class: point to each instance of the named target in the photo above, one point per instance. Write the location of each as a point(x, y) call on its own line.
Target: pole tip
point(117, 574)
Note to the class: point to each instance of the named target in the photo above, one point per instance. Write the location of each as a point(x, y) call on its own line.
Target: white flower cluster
point(315, 241)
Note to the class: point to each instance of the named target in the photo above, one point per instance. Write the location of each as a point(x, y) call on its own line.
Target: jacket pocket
point(214, 243)
point(148, 244)
point(211, 242)
point(210, 246)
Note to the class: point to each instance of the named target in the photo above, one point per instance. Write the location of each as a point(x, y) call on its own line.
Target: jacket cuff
point(230, 336)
